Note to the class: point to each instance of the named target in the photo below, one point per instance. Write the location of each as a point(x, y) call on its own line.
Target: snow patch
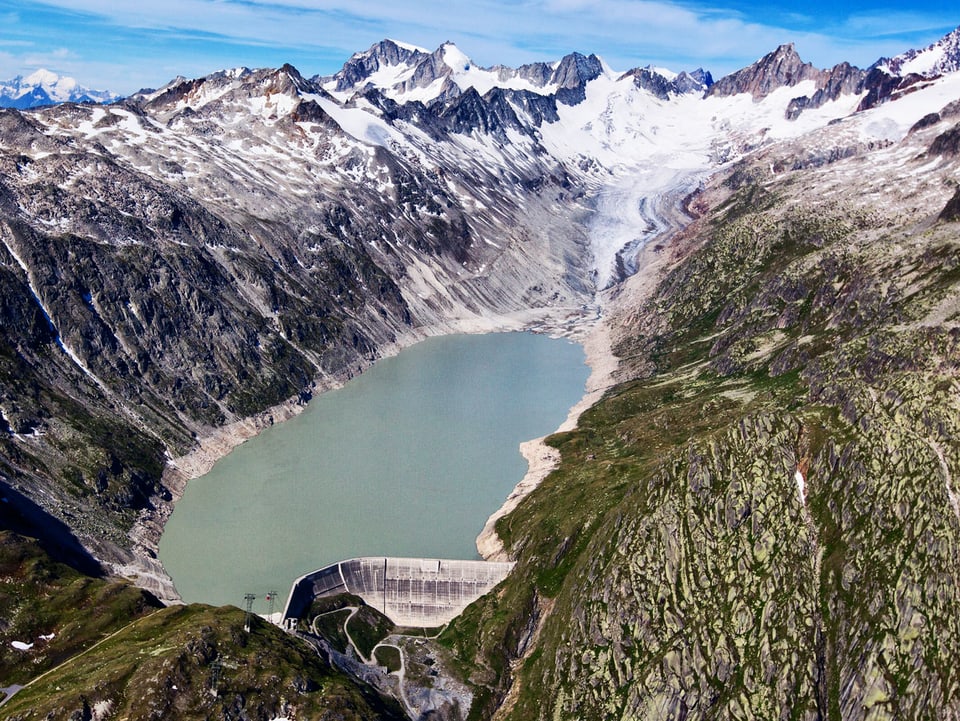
point(801, 486)
point(408, 46)
point(102, 709)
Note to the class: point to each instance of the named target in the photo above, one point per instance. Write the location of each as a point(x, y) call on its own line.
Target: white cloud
point(211, 34)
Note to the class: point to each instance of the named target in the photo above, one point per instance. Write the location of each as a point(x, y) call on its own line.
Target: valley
point(751, 515)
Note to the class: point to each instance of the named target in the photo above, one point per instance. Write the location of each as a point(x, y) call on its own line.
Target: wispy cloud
point(892, 24)
point(150, 37)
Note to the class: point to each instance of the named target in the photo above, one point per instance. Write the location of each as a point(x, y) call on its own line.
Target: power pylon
point(249, 598)
point(215, 668)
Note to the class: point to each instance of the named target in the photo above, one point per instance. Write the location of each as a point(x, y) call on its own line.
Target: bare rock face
point(384, 54)
point(947, 144)
point(198, 254)
point(572, 75)
point(951, 211)
point(783, 67)
point(648, 79)
point(843, 79)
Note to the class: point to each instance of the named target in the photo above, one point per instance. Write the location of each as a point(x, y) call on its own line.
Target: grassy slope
point(669, 569)
point(39, 597)
point(113, 649)
point(164, 666)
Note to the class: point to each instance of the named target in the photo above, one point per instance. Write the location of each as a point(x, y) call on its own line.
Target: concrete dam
point(420, 592)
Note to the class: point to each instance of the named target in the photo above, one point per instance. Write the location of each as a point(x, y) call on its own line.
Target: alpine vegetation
point(754, 513)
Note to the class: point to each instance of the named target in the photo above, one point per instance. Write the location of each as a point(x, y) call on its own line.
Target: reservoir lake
point(407, 459)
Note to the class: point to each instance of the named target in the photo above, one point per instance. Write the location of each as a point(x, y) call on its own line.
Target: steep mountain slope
point(761, 520)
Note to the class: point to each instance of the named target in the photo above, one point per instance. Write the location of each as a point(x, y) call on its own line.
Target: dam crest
point(416, 592)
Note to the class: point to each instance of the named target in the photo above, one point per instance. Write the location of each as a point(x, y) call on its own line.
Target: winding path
point(372, 661)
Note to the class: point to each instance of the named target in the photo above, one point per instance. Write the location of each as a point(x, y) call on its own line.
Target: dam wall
point(420, 592)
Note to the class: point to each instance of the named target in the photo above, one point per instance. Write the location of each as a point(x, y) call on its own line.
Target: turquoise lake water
point(407, 459)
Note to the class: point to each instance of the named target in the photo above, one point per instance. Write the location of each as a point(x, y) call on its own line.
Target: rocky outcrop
point(384, 54)
point(496, 112)
point(659, 86)
point(781, 68)
point(572, 75)
point(842, 79)
point(936, 59)
point(951, 211)
point(947, 144)
point(784, 429)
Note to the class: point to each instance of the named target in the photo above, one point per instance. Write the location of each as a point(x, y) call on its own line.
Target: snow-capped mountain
point(406, 73)
point(46, 88)
point(938, 58)
point(299, 226)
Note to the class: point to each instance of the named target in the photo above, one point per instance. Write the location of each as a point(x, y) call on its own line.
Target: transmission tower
point(271, 597)
point(215, 668)
point(249, 598)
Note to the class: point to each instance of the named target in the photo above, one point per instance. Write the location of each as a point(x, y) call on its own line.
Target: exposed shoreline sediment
point(599, 344)
point(541, 458)
point(144, 567)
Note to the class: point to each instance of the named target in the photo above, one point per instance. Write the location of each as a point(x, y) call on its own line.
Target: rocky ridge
point(937, 58)
point(189, 259)
point(773, 529)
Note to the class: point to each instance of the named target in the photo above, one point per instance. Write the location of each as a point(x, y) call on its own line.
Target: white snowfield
point(638, 155)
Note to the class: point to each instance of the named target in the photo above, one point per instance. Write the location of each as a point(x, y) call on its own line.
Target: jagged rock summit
point(663, 83)
point(782, 67)
point(406, 73)
point(938, 58)
point(47, 88)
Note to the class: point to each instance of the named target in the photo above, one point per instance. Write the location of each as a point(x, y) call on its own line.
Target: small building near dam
point(416, 592)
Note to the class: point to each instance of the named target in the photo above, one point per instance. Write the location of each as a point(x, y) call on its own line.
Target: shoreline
point(144, 567)
point(543, 459)
point(598, 343)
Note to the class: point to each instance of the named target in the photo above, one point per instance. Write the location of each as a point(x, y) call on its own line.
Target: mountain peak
point(381, 64)
point(407, 73)
point(576, 69)
point(938, 58)
point(780, 68)
point(46, 77)
point(44, 87)
point(454, 57)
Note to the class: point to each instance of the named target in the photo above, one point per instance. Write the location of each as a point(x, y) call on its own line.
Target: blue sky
point(124, 45)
